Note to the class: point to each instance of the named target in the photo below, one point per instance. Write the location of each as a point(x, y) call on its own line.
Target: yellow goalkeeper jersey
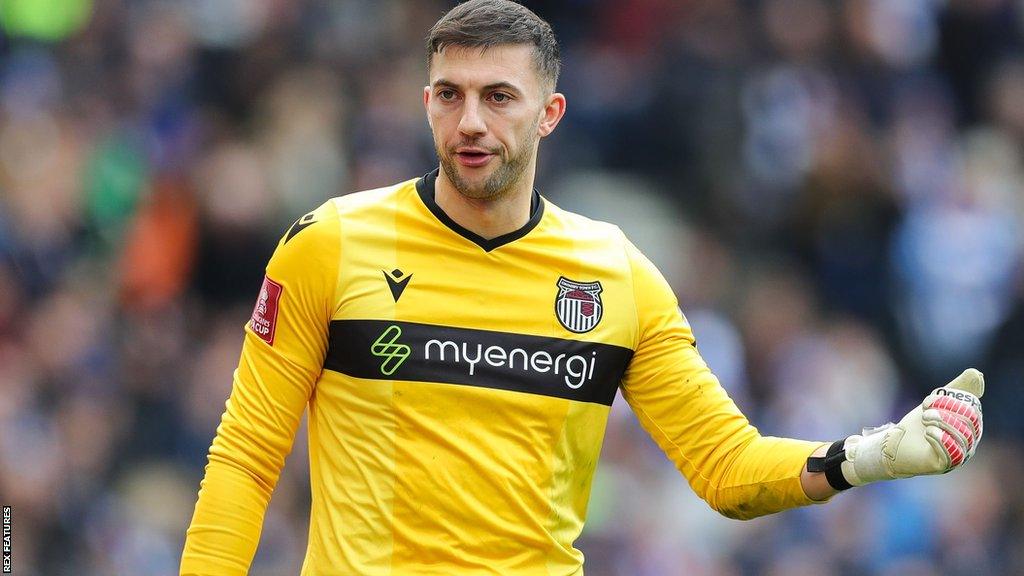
point(458, 390)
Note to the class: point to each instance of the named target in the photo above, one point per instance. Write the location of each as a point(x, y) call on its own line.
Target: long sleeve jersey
point(458, 390)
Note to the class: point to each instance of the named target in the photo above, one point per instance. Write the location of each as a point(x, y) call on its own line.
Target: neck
point(487, 217)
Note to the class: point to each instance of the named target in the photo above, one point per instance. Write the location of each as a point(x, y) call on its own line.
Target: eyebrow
point(492, 86)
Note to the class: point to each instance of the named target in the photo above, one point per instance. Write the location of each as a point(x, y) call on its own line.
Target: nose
point(472, 123)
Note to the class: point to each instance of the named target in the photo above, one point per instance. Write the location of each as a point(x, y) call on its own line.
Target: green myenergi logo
point(386, 347)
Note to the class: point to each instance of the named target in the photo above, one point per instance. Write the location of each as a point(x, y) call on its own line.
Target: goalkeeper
point(458, 341)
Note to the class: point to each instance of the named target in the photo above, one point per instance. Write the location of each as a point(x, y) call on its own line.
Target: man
point(458, 341)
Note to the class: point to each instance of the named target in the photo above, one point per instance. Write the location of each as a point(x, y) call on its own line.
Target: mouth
point(473, 157)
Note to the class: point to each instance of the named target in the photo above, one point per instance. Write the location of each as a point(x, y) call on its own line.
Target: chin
point(475, 182)
point(476, 191)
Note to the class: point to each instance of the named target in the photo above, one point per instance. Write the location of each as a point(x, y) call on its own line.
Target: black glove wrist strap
point(831, 464)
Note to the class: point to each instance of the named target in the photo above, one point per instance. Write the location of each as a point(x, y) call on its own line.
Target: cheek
point(438, 124)
point(527, 131)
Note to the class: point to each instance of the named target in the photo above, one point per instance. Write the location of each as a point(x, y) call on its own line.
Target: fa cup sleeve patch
point(264, 315)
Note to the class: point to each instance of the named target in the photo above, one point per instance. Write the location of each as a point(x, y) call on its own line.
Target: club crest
point(578, 305)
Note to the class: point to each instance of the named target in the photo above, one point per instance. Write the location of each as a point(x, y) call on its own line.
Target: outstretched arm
point(743, 474)
point(684, 408)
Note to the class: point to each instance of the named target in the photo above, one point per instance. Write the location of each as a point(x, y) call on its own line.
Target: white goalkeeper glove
point(939, 435)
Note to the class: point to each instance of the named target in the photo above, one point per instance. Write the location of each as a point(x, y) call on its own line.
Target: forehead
point(471, 66)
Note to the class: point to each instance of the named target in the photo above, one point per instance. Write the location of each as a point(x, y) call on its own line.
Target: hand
point(939, 435)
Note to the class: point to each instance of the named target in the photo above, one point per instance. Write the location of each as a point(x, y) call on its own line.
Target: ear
point(426, 103)
point(553, 111)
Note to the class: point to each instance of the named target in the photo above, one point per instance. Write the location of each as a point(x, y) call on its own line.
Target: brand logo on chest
point(578, 305)
point(397, 281)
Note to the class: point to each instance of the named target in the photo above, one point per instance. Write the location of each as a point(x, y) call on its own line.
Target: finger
point(959, 427)
point(958, 395)
point(935, 437)
point(963, 409)
point(954, 451)
point(969, 380)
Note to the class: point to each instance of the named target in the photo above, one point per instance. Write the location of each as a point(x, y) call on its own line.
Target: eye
point(500, 97)
point(446, 94)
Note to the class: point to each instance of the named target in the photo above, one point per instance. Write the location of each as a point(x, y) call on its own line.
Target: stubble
point(499, 183)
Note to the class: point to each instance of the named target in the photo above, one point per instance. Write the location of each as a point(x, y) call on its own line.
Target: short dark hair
point(487, 23)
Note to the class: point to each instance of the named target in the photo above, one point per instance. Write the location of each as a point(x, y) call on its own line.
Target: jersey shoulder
point(310, 233)
point(323, 224)
point(360, 203)
point(584, 229)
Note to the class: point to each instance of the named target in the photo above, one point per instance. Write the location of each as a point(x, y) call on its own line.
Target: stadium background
point(835, 190)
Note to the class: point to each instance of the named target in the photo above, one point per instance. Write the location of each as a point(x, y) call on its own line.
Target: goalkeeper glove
point(939, 435)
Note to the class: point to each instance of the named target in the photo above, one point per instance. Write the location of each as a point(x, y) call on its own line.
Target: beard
point(501, 180)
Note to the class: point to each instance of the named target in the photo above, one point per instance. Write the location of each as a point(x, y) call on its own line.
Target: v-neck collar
point(425, 188)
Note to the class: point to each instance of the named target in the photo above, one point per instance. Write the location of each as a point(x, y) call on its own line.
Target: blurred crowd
point(834, 189)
